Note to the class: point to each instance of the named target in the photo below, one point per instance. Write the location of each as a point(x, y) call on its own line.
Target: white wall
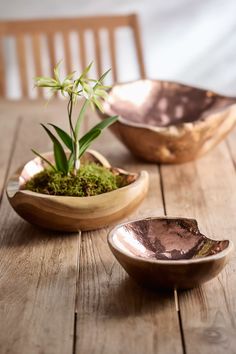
point(192, 41)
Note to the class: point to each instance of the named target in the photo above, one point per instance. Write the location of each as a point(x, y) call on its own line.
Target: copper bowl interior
point(165, 239)
point(162, 103)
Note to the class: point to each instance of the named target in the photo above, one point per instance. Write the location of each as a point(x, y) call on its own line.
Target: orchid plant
point(92, 92)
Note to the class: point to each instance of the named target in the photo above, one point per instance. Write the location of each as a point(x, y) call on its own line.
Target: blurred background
point(190, 41)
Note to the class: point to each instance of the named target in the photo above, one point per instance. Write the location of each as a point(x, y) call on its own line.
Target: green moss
point(90, 180)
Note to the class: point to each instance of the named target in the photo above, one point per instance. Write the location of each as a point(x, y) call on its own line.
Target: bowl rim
point(172, 128)
point(219, 255)
point(12, 179)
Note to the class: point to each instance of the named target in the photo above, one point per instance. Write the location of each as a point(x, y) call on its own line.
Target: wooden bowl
point(168, 122)
point(75, 213)
point(168, 252)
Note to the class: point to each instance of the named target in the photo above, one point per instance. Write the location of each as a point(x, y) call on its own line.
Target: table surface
point(65, 293)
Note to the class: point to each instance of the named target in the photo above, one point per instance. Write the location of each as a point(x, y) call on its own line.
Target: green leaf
point(87, 139)
point(104, 75)
point(100, 126)
point(97, 103)
point(65, 137)
point(86, 70)
point(70, 76)
point(44, 159)
point(56, 71)
point(70, 162)
point(59, 153)
point(106, 122)
point(93, 133)
point(80, 117)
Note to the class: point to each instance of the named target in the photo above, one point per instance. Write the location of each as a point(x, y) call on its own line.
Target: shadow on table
point(20, 233)
point(128, 298)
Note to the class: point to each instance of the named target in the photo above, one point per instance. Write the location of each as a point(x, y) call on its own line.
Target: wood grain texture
point(37, 268)
point(65, 213)
point(114, 314)
point(206, 190)
point(49, 27)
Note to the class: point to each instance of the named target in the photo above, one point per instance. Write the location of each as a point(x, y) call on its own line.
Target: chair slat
point(82, 52)
point(67, 52)
point(2, 71)
point(22, 65)
point(51, 51)
point(52, 54)
point(135, 26)
point(111, 39)
point(36, 47)
point(97, 52)
point(48, 28)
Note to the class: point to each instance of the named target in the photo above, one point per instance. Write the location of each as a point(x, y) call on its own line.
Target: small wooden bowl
point(75, 213)
point(168, 252)
point(167, 122)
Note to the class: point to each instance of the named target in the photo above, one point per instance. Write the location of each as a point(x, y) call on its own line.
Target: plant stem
point(69, 110)
point(73, 136)
point(76, 136)
point(80, 117)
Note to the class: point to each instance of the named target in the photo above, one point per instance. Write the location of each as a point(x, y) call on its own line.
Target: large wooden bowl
point(168, 122)
point(168, 252)
point(75, 213)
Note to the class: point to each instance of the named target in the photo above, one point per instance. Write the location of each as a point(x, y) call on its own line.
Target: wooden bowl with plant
point(73, 188)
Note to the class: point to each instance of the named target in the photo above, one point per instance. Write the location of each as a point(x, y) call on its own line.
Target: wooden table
point(65, 293)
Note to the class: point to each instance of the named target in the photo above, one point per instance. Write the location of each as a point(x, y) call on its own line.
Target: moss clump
point(90, 180)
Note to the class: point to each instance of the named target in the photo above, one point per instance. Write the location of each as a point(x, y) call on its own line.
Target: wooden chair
point(48, 28)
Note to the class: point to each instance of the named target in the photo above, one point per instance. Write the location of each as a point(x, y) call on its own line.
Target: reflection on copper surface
point(162, 103)
point(30, 169)
point(165, 239)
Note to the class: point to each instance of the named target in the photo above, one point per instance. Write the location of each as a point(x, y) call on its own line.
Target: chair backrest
point(35, 30)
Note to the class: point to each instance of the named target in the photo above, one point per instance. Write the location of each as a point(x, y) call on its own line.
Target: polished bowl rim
point(229, 249)
point(139, 175)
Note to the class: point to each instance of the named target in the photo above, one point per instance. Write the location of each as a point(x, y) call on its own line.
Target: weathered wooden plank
point(114, 314)
point(206, 190)
point(37, 268)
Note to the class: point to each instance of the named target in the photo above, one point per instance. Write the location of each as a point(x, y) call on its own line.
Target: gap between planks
point(176, 296)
